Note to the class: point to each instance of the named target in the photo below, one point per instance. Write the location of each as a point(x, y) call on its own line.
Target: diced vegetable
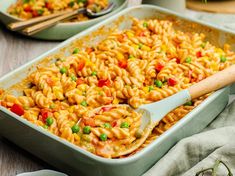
point(89, 122)
point(158, 83)
point(79, 81)
point(17, 109)
point(145, 24)
point(199, 54)
point(124, 125)
point(159, 66)
point(103, 82)
point(81, 65)
point(63, 70)
point(151, 88)
point(76, 51)
point(87, 130)
point(107, 125)
point(84, 103)
point(140, 45)
point(223, 59)
point(189, 103)
point(45, 114)
point(103, 137)
point(71, 3)
point(75, 128)
point(172, 81)
point(49, 121)
point(89, 50)
point(40, 12)
point(188, 60)
point(74, 78)
point(94, 73)
point(26, 1)
point(28, 8)
point(122, 64)
point(104, 109)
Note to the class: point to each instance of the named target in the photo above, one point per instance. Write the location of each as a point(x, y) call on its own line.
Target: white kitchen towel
point(201, 151)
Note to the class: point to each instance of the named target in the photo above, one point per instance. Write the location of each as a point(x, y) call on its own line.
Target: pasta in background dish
point(27, 9)
point(140, 65)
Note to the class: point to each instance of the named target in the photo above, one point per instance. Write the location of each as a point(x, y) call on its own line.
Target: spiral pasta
point(146, 63)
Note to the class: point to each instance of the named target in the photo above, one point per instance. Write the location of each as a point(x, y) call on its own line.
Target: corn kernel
point(82, 87)
point(164, 48)
point(205, 58)
point(214, 66)
point(219, 51)
point(115, 101)
point(132, 59)
point(120, 56)
point(71, 123)
point(146, 89)
point(135, 46)
point(89, 63)
point(172, 50)
point(129, 34)
point(145, 48)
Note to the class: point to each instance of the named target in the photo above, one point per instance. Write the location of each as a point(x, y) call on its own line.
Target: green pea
point(75, 128)
point(124, 125)
point(62, 59)
point(203, 45)
point(40, 12)
point(94, 73)
point(131, 56)
point(223, 59)
point(45, 126)
point(87, 130)
point(151, 88)
point(81, 1)
point(74, 78)
point(63, 70)
point(52, 106)
point(189, 103)
point(145, 24)
point(83, 103)
point(107, 125)
point(25, 1)
point(188, 60)
point(49, 121)
point(140, 45)
point(76, 50)
point(71, 3)
point(158, 83)
point(103, 137)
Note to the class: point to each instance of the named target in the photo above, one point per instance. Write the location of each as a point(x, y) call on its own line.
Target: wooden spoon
point(154, 112)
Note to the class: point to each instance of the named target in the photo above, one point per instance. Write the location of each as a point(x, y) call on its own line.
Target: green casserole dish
point(76, 161)
point(60, 31)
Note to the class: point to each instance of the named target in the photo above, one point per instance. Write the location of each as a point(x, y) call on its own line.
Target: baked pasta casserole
point(144, 64)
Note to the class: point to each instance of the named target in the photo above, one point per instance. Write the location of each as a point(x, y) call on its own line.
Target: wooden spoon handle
point(46, 24)
point(214, 82)
point(22, 24)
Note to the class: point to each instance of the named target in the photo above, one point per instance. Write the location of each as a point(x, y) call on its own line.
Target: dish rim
point(65, 24)
point(92, 156)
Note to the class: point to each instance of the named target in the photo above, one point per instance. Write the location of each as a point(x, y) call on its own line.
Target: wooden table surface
point(16, 50)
